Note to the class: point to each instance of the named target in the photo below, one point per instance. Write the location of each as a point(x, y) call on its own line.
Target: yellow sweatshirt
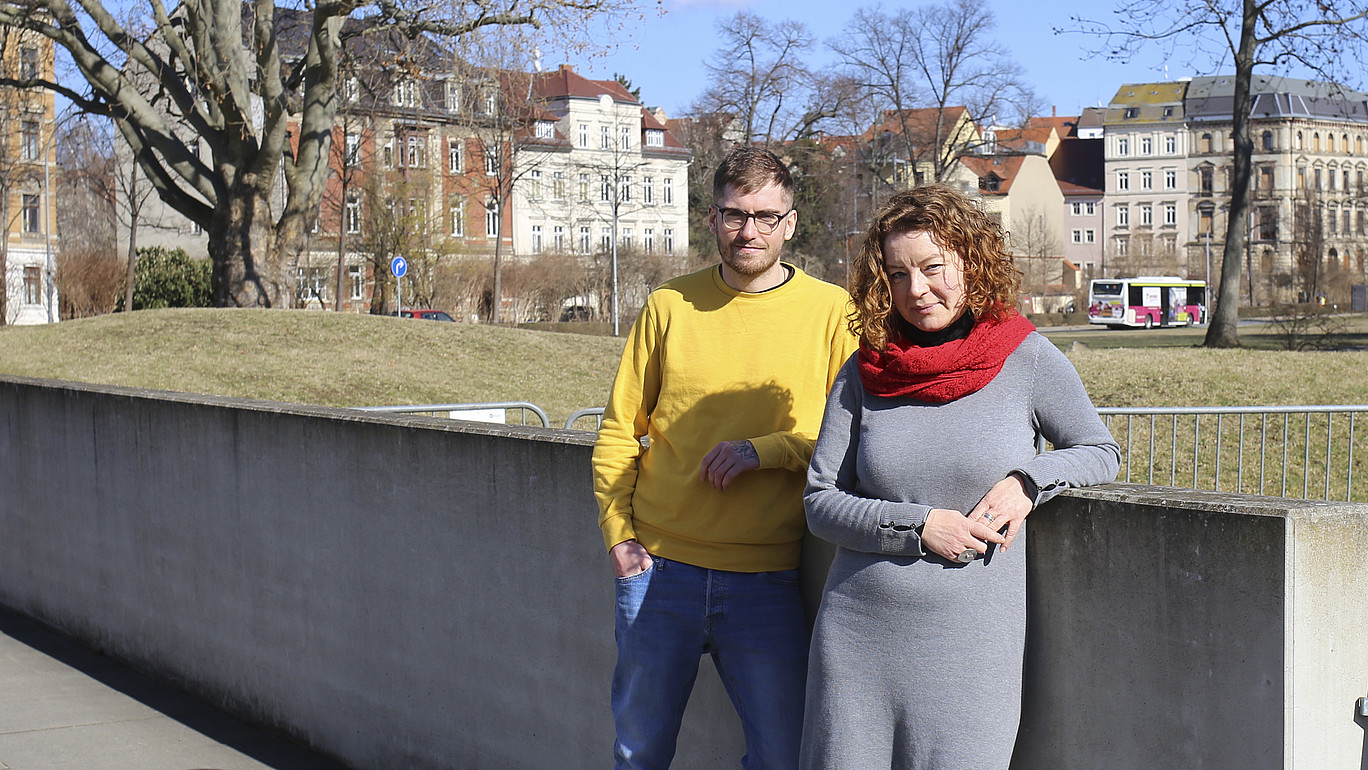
point(704, 364)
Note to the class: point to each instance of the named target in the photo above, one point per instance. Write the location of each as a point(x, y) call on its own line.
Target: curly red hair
point(957, 225)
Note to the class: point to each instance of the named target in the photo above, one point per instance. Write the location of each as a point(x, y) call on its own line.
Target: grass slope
point(340, 359)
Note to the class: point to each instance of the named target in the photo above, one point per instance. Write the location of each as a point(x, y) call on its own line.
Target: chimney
point(567, 68)
point(1053, 114)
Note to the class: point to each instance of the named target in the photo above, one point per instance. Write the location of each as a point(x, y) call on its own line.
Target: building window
point(546, 129)
point(352, 90)
point(1147, 146)
point(28, 140)
point(1204, 177)
point(352, 154)
point(1170, 179)
point(387, 153)
point(1122, 181)
point(1123, 216)
point(626, 238)
point(655, 137)
point(605, 139)
point(536, 239)
point(455, 156)
point(458, 217)
point(33, 285)
point(669, 239)
point(1090, 236)
point(491, 101)
point(584, 236)
point(491, 162)
point(29, 215)
point(1122, 146)
point(353, 214)
point(1132, 112)
point(648, 240)
point(1171, 145)
point(1316, 175)
point(1090, 208)
point(625, 142)
point(492, 217)
point(606, 238)
point(558, 185)
point(1170, 214)
point(558, 238)
point(1168, 112)
point(1122, 246)
point(667, 191)
point(534, 185)
point(416, 157)
point(583, 188)
point(1077, 236)
point(1146, 180)
point(1077, 209)
point(28, 62)
point(405, 93)
point(1204, 145)
point(625, 189)
point(1315, 142)
point(355, 280)
point(605, 188)
point(1333, 220)
point(1146, 216)
point(648, 191)
point(1267, 140)
point(453, 97)
point(584, 135)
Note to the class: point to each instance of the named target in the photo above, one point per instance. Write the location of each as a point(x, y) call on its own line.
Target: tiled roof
point(1004, 167)
point(1213, 99)
point(564, 82)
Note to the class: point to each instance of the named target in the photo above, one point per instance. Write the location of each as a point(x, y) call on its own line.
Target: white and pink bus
point(1147, 301)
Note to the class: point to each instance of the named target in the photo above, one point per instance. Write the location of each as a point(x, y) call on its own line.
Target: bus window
point(1107, 289)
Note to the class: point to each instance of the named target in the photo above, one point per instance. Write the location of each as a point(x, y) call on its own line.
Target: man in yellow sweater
point(724, 375)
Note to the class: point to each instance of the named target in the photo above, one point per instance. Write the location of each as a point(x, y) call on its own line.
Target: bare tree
point(89, 276)
point(758, 75)
point(237, 76)
point(1037, 247)
point(939, 57)
point(1250, 34)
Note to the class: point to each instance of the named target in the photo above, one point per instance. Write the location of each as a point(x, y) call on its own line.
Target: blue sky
point(664, 55)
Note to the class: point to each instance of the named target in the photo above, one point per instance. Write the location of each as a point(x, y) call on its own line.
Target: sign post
point(399, 266)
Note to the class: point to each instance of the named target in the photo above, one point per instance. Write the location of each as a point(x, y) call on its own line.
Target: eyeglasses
point(765, 221)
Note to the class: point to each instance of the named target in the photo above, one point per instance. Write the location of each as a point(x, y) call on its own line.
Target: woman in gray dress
point(923, 475)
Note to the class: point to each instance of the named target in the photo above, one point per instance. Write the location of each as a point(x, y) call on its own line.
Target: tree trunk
point(1222, 332)
point(248, 252)
point(4, 258)
point(134, 209)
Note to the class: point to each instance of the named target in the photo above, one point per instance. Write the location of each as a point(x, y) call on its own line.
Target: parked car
point(426, 315)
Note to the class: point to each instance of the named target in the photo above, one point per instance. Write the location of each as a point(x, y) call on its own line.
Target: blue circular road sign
point(398, 266)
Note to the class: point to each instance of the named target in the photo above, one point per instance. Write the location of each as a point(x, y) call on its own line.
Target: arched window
point(1329, 142)
point(1205, 144)
point(1315, 142)
point(1298, 144)
point(1268, 141)
point(1344, 142)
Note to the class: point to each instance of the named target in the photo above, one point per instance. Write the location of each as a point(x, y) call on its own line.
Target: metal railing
point(596, 412)
point(1287, 451)
point(524, 406)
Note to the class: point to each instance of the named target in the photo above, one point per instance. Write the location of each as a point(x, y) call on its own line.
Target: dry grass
point(350, 360)
point(332, 359)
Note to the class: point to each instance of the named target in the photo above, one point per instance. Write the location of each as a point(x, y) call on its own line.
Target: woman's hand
point(949, 533)
point(1005, 505)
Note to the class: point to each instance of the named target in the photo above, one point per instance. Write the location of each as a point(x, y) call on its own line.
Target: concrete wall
point(418, 593)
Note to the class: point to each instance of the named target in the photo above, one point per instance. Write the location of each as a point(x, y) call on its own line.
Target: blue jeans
point(753, 626)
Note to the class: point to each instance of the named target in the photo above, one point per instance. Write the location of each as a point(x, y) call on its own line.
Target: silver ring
point(966, 556)
point(988, 517)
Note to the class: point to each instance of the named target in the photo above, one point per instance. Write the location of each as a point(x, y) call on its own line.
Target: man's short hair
point(747, 169)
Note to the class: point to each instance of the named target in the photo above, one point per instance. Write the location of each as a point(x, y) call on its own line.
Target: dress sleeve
point(1084, 451)
point(836, 511)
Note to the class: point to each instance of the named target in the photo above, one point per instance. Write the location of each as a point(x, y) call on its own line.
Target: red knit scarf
point(944, 372)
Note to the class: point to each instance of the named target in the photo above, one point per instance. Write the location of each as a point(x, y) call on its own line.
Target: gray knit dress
point(916, 661)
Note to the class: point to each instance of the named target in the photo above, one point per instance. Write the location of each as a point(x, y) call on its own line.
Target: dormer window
point(546, 129)
point(655, 137)
point(453, 97)
point(1132, 112)
point(406, 93)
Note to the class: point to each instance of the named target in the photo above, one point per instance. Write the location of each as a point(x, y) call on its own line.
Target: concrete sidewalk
point(63, 707)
